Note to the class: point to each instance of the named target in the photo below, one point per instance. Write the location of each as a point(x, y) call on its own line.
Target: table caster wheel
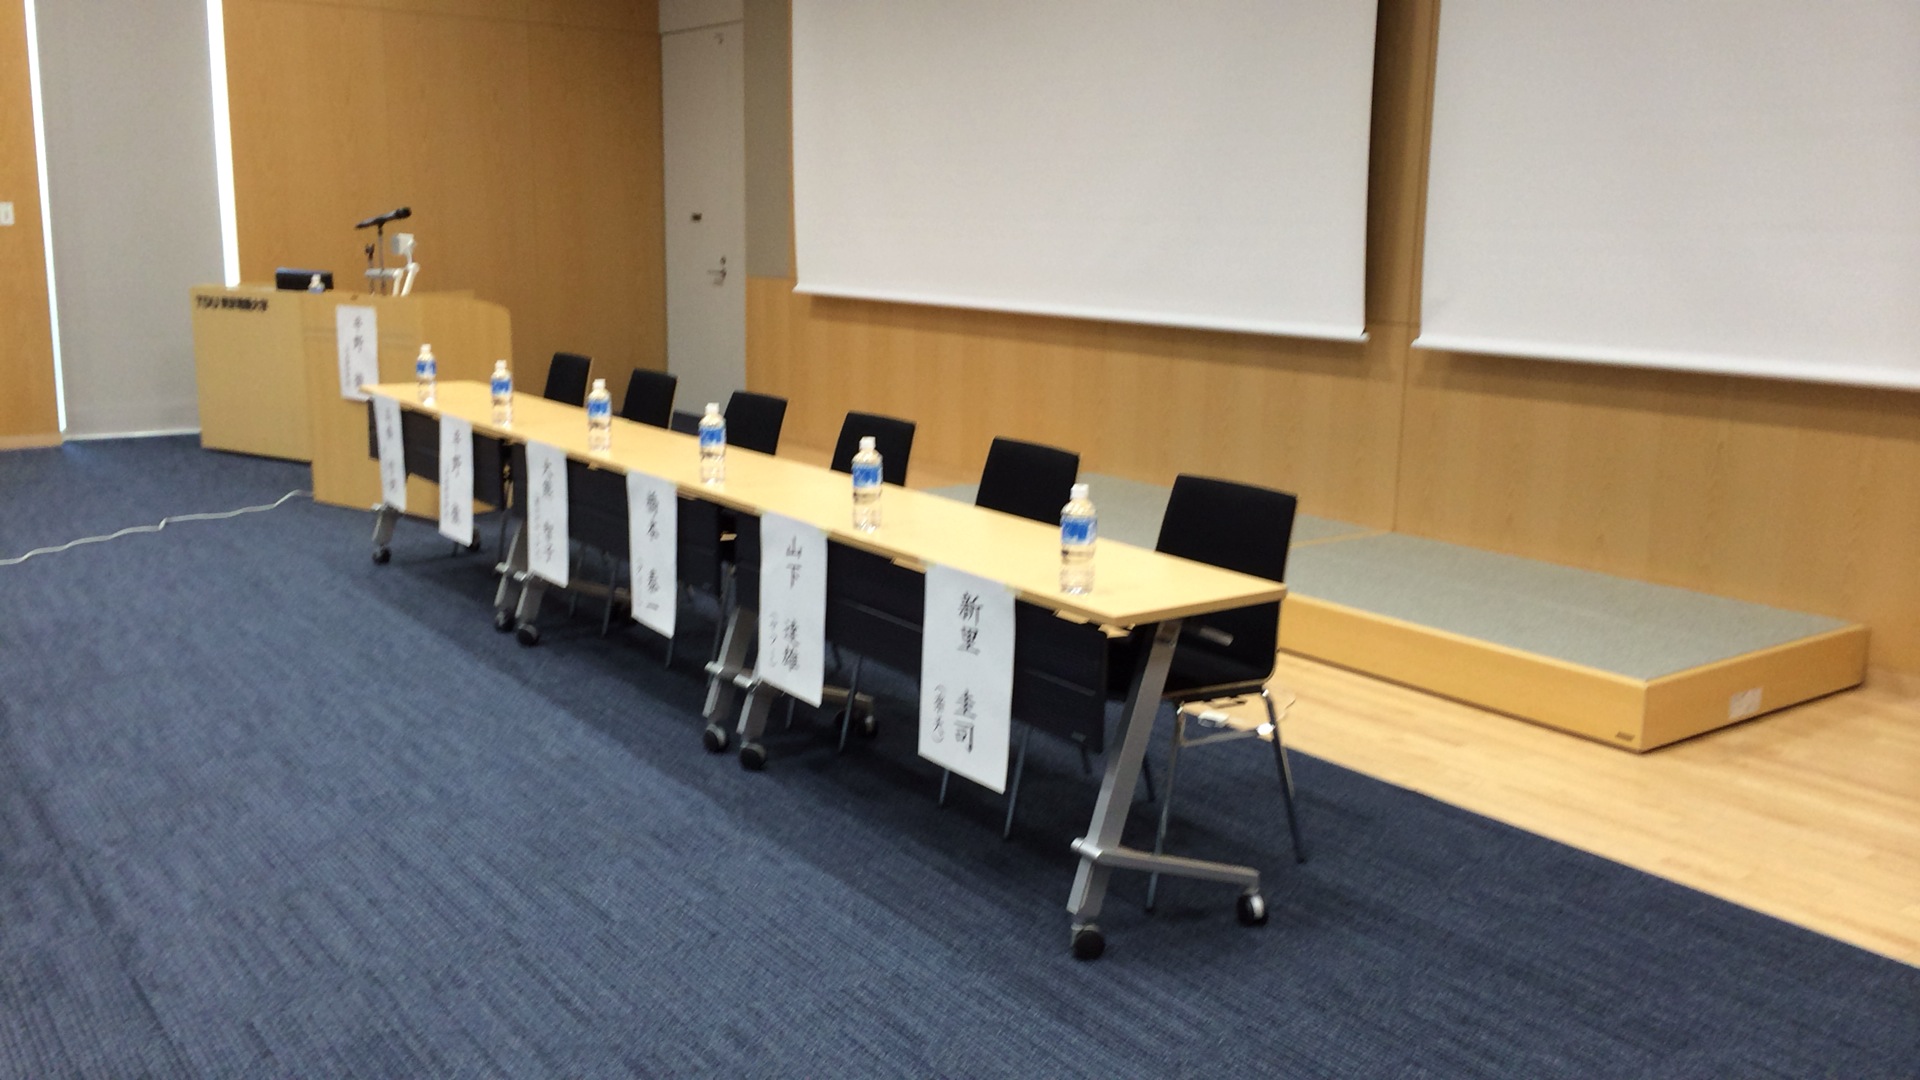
point(1252, 909)
point(714, 738)
point(753, 757)
point(381, 555)
point(1088, 942)
point(528, 634)
point(503, 621)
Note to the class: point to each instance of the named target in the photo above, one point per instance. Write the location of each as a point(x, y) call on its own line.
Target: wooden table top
point(1132, 585)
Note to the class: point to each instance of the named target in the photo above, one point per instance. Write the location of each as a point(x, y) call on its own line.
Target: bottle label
point(423, 368)
point(502, 386)
point(599, 410)
point(1076, 531)
point(713, 438)
point(866, 476)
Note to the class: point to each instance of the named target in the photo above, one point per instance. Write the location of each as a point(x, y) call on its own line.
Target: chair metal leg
point(853, 701)
point(945, 776)
point(1166, 805)
point(1013, 789)
point(679, 594)
point(1286, 779)
point(791, 702)
point(613, 581)
point(1146, 777)
point(575, 563)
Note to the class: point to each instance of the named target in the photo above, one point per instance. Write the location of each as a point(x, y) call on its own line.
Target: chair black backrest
point(1027, 479)
point(567, 378)
point(891, 437)
point(1238, 527)
point(684, 422)
point(649, 397)
point(753, 421)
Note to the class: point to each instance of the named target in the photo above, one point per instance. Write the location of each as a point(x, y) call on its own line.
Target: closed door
point(703, 102)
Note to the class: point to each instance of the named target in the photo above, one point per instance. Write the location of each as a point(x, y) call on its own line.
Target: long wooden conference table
point(1134, 587)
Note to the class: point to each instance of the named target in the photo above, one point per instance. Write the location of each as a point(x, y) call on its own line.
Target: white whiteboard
point(1195, 164)
point(1679, 183)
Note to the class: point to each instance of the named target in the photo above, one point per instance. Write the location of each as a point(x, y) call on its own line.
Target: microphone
point(382, 219)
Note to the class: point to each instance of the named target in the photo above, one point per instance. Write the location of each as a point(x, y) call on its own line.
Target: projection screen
point(1679, 183)
point(1195, 164)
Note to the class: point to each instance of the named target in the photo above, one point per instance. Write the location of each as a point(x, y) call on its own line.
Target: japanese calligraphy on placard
point(456, 479)
point(653, 528)
point(357, 339)
point(966, 676)
point(793, 606)
point(393, 460)
point(546, 493)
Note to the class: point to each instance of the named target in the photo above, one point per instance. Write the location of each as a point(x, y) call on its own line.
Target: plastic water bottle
point(599, 418)
point(502, 385)
point(866, 486)
point(713, 445)
point(315, 285)
point(1078, 531)
point(423, 373)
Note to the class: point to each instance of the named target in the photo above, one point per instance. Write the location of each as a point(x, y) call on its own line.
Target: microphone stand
point(380, 245)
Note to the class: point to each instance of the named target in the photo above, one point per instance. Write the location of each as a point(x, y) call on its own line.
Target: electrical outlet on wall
point(6, 213)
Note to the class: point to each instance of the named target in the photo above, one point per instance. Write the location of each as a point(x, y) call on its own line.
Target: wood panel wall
point(29, 414)
point(1796, 495)
point(525, 135)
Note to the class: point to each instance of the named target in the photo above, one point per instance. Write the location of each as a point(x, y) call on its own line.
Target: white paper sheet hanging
point(456, 480)
point(653, 528)
point(793, 606)
point(357, 340)
point(393, 461)
point(966, 676)
point(547, 541)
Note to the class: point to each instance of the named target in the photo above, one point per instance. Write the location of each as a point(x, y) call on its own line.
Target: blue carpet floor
point(267, 809)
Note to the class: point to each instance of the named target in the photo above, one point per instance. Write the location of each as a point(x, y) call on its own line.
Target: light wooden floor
point(1811, 814)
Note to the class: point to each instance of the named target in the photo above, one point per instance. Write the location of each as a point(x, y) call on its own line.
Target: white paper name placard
point(357, 339)
point(547, 512)
point(653, 526)
point(456, 479)
point(966, 676)
point(793, 606)
point(393, 461)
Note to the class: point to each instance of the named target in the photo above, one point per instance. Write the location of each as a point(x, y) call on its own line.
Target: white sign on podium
point(357, 339)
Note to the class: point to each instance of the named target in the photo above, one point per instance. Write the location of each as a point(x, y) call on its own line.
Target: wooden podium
point(269, 375)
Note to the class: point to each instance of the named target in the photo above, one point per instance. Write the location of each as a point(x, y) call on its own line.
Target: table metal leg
point(384, 519)
point(513, 568)
point(1100, 850)
point(730, 665)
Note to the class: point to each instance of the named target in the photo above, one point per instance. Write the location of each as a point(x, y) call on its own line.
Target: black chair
point(1027, 479)
point(649, 397)
point(892, 438)
point(1227, 654)
point(685, 423)
point(567, 378)
point(754, 420)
